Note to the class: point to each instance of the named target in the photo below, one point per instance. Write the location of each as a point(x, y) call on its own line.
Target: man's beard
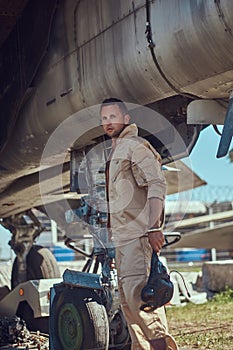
point(118, 132)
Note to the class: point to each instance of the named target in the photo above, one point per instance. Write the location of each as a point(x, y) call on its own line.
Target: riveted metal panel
point(193, 41)
point(99, 49)
point(118, 58)
point(94, 17)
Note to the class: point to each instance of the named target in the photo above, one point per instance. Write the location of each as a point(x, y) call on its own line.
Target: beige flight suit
point(147, 330)
point(133, 176)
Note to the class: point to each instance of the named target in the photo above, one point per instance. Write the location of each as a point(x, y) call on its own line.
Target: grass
point(190, 267)
point(207, 326)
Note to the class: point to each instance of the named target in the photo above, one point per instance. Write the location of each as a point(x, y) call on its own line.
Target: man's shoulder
point(146, 146)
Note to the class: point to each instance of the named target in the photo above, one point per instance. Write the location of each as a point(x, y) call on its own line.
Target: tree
point(230, 155)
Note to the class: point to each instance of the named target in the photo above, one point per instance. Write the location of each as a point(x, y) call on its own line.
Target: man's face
point(113, 120)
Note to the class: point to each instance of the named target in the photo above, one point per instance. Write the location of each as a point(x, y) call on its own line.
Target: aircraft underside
point(171, 61)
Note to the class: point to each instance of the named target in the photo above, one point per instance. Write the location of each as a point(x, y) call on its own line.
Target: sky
point(5, 251)
point(217, 172)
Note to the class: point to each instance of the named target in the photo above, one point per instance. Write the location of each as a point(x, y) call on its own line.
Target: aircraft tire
point(78, 321)
point(41, 264)
point(121, 339)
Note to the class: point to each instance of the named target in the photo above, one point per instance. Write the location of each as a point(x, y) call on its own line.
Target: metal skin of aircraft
point(170, 61)
point(63, 57)
point(210, 231)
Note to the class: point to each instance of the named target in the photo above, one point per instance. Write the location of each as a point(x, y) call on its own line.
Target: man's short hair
point(115, 101)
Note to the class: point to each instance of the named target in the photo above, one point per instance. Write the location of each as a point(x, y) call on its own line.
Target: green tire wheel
point(78, 320)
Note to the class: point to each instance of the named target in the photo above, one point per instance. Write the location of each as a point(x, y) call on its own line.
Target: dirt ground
point(203, 327)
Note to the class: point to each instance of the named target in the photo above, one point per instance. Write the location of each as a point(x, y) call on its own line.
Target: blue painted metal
point(227, 132)
point(82, 279)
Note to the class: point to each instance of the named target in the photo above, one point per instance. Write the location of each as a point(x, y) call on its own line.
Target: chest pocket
point(139, 176)
point(120, 168)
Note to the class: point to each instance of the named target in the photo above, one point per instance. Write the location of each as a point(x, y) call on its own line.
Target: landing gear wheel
point(121, 338)
point(78, 321)
point(41, 264)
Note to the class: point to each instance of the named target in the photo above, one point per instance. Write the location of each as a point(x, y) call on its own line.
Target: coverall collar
point(129, 131)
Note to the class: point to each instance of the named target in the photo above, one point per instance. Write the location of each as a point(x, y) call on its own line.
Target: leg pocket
point(130, 259)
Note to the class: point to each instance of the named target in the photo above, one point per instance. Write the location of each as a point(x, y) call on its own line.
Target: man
point(136, 190)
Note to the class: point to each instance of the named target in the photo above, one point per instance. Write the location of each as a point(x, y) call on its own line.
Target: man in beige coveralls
point(136, 190)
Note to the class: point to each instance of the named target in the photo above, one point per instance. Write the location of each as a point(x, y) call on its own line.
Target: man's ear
point(127, 118)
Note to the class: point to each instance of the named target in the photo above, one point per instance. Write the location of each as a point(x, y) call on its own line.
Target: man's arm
point(147, 173)
point(156, 239)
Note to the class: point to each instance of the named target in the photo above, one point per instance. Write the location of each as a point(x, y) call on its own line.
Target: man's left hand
point(156, 240)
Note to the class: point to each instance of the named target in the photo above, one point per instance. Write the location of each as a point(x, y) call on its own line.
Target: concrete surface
point(217, 275)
